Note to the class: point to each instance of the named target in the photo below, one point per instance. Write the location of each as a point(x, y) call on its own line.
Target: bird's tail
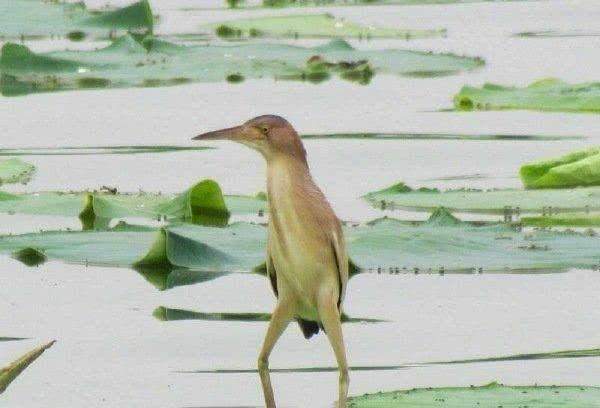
point(309, 328)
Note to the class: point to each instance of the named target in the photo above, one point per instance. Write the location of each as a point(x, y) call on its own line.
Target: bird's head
point(271, 135)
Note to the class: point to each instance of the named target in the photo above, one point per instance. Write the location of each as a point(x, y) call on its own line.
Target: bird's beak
point(233, 133)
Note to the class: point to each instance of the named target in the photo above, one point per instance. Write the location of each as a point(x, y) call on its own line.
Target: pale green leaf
point(39, 18)
point(491, 395)
point(132, 62)
point(15, 171)
point(543, 95)
point(312, 26)
point(487, 201)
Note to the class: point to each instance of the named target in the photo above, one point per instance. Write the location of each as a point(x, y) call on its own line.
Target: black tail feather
point(309, 328)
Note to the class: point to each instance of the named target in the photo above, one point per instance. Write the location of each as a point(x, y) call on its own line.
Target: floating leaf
point(490, 201)
point(167, 314)
point(9, 373)
point(312, 26)
point(443, 244)
point(543, 95)
point(15, 171)
point(38, 19)
point(97, 150)
point(202, 203)
point(581, 168)
point(131, 62)
point(491, 395)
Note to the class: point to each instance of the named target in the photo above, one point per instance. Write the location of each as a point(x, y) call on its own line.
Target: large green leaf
point(491, 395)
point(203, 203)
point(543, 95)
point(9, 373)
point(490, 201)
point(581, 168)
point(128, 62)
point(39, 18)
point(312, 26)
point(15, 171)
point(443, 244)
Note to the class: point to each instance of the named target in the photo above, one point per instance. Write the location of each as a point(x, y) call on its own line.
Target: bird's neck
point(287, 177)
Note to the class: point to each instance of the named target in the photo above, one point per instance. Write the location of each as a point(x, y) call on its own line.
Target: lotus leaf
point(132, 61)
point(543, 95)
point(487, 201)
point(15, 171)
point(312, 26)
point(491, 395)
point(38, 18)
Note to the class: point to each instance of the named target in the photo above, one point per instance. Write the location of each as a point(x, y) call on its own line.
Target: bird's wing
point(271, 273)
point(341, 257)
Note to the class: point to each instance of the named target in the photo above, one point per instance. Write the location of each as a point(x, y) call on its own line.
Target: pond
point(116, 344)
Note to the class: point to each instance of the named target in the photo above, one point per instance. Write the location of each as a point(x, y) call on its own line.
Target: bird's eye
point(264, 130)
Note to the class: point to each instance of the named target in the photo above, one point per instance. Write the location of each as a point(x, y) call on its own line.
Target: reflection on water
point(168, 314)
point(97, 150)
point(168, 277)
point(437, 136)
point(518, 357)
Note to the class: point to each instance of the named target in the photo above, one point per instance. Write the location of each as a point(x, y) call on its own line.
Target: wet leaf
point(543, 95)
point(133, 62)
point(9, 373)
point(311, 26)
point(491, 395)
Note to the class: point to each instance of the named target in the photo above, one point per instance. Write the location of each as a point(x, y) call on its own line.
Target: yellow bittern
point(307, 262)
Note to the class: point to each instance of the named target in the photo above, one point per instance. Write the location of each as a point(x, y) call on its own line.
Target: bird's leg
point(279, 321)
point(330, 317)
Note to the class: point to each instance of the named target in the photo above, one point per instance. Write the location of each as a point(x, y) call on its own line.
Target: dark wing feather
point(271, 273)
point(341, 260)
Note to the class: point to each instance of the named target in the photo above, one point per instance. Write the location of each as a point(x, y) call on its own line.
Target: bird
point(306, 257)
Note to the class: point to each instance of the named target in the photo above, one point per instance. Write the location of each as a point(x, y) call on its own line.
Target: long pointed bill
point(233, 133)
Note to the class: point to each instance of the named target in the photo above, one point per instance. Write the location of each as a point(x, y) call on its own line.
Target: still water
point(112, 352)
